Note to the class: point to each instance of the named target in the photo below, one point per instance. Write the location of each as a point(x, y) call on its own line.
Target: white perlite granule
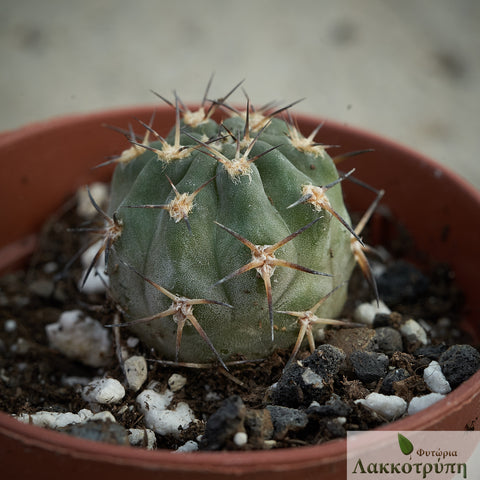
point(435, 379)
point(157, 417)
point(81, 338)
point(387, 406)
point(103, 391)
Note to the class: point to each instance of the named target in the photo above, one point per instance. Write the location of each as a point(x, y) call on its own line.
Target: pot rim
point(244, 461)
point(31, 435)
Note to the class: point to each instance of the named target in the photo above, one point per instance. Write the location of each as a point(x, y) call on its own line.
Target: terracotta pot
point(42, 164)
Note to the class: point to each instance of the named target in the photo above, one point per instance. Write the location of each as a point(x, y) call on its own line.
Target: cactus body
point(188, 222)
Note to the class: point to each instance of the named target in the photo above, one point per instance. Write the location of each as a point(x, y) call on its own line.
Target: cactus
point(221, 236)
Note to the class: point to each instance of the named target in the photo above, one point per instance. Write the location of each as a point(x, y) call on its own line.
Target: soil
point(32, 373)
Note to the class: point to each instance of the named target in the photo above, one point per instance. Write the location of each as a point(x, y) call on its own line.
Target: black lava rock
point(334, 407)
point(286, 420)
point(369, 366)
point(223, 424)
point(326, 360)
point(401, 282)
point(388, 340)
point(433, 352)
point(459, 363)
point(391, 378)
point(303, 381)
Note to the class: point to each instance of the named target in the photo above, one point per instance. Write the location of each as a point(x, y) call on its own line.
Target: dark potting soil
point(257, 405)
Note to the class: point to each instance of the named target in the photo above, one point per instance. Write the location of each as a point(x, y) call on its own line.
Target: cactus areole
point(221, 233)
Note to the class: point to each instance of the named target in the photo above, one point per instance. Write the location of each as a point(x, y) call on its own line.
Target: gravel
point(459, 362)
point(417, 404)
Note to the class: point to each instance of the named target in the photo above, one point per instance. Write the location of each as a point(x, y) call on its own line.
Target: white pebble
point(103, 416)
point(96, 281)
point(154, 405)
point(135, 371)
point(240, 439)
point(85, 206)
point(418, 404)
point(80, 338)
point(176, 382)
point(413, 328)
point(189, 446)
point(132, 342)
point(142, 437)
point(435, 379)
point(341, 420)
point(56, 420)
point(365, 312)
point(103, 391)
point(10, 325)
point(387, 406)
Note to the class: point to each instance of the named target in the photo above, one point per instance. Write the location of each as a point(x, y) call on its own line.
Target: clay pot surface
point(42, 164)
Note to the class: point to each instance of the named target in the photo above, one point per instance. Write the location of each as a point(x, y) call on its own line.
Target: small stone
point(10, 325)
point(459, 363)
point(388, 383)
point(136, 371)
point(142, 437)
point(433, 352)
point(81, 338)
point(53, 420)
point(103, 391)
point(158, 418)
point(352, 339)
point(286, 420)
point(418, 404)
point(240, 439)
point(387, 406)
point(388, 340)
point(334, 407)
point(435, 379)
point(190, 446)
point(413, 334)
point(56, 420)
point(401, 282)
point(224, 424)
point(104, 416)
point(132, 342)
point(335, 428)
point(365, 312)
point(369, 366)
point(106, 432)
point(303, 381)
point(176, 382)
point(259, 426)
point(325, 361)
point(382, 320)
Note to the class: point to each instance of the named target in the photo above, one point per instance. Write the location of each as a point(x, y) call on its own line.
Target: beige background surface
point(406, 69)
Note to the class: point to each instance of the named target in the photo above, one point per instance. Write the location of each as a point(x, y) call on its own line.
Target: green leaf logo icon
point(406, 446)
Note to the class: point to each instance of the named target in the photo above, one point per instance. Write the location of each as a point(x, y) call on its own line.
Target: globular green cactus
point(228, 240)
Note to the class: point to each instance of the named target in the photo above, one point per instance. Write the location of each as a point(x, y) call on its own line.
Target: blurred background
point(408, 70)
